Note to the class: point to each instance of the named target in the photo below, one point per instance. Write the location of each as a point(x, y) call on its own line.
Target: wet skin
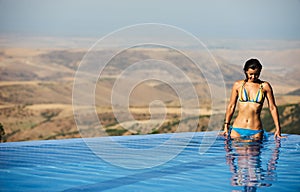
point(249, 112)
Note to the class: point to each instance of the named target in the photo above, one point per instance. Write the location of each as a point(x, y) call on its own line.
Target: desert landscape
point(36, 85)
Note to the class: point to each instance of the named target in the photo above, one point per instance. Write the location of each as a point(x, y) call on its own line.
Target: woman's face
point(252, 74)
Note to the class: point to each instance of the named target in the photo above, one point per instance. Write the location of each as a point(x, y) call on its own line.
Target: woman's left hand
point(277, 134)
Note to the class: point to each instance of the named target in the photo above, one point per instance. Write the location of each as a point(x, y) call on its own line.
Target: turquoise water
point(70, 165)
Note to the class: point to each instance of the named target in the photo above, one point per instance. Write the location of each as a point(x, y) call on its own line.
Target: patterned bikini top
point(244, 96)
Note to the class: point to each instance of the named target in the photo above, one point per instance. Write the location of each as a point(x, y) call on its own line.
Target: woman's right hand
point(226, 130)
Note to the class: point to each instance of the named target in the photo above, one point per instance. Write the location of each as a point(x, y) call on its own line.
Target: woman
point(251, 94)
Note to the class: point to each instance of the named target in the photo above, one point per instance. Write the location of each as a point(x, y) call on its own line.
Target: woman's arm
point(273, 109)
point(231, 107)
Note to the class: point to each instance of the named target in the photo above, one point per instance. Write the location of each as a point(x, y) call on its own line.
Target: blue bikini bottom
point(248, 132)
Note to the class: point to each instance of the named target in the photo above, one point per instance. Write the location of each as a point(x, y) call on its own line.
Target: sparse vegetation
point(36, 95)
point(115, 132)
point(289, 117)
point(2, 132)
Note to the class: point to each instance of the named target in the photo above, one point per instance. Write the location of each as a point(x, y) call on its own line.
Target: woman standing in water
point(251, 94)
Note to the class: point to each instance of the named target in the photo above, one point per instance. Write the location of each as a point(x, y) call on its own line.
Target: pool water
point(71, 165)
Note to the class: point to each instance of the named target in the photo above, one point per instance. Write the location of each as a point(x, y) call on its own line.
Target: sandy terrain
point(36, 89)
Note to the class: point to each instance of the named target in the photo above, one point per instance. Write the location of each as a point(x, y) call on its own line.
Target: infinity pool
point(72, 165)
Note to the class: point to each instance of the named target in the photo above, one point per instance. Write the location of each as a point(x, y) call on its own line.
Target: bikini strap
point(244, 82)
point(261, 85)
point(243, 96)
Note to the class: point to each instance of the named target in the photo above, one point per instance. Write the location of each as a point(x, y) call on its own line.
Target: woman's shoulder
point(238, 83)
point(265, 84)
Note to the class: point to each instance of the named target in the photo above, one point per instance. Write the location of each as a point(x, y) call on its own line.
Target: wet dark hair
point(252, 64)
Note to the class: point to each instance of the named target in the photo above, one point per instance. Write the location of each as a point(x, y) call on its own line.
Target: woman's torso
point(250, 103)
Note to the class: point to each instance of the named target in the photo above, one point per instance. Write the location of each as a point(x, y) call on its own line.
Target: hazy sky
point(222, 19)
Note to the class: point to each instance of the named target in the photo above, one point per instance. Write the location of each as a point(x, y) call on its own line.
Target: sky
point(219, 19)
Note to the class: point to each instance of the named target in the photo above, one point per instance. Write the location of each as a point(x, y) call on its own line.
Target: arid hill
point(36, 91)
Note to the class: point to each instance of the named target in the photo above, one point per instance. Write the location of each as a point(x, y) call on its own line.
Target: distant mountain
point(295, 92)
point(289, 116)
point(36, 90)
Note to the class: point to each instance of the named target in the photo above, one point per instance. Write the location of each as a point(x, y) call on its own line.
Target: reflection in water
point(245, 162)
